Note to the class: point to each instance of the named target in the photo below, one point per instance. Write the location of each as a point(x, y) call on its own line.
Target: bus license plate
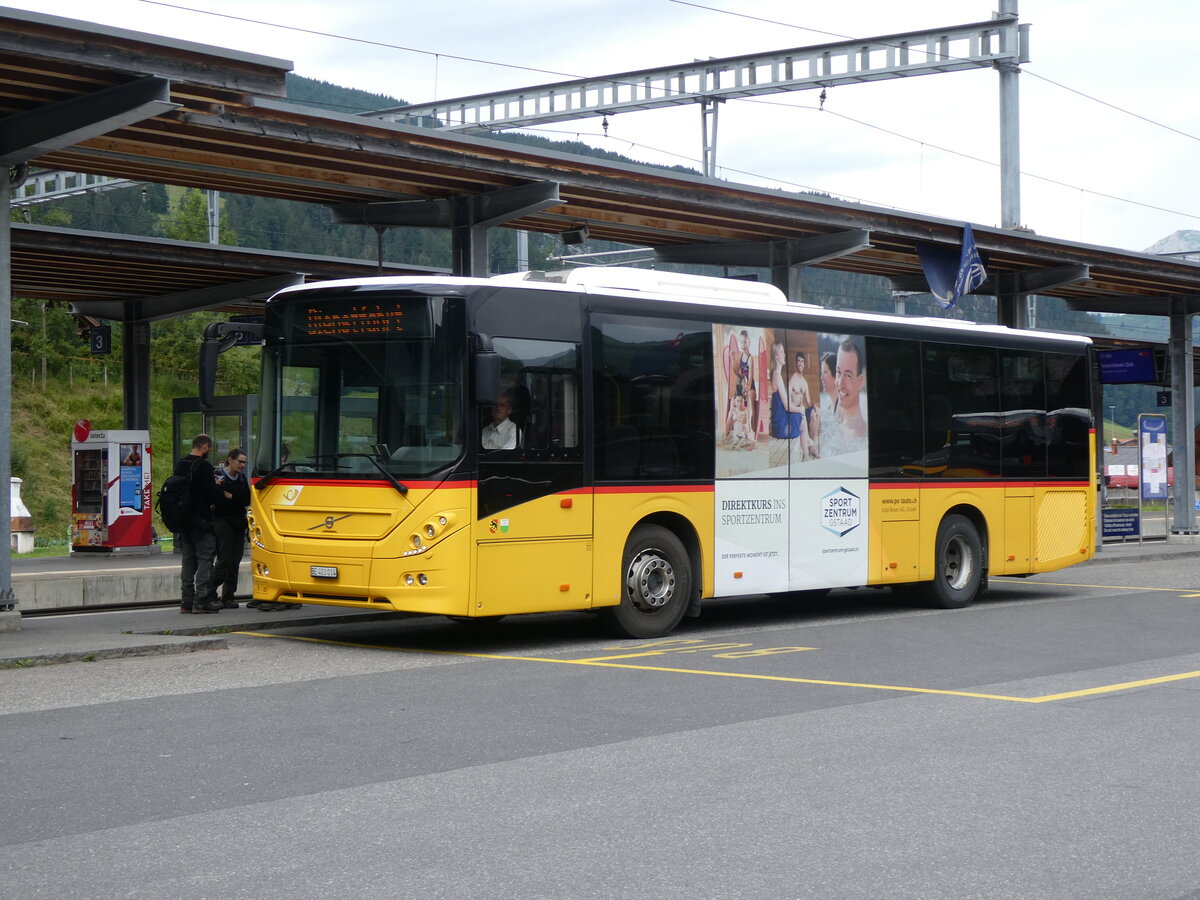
point(323, 571)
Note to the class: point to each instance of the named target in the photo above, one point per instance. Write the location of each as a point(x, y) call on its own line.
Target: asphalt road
point(1042, 743)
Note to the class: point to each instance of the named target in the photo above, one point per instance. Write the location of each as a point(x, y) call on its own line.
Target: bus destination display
point(358, 319)
point(364, 319)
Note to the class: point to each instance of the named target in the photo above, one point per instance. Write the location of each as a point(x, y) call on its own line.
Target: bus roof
point(702, 290)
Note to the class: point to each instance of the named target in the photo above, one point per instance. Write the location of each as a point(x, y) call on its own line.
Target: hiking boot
point(229, 603)
point(206, 608)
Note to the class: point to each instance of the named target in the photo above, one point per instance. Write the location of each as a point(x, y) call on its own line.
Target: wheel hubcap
point(960, 564)
point(651, 580)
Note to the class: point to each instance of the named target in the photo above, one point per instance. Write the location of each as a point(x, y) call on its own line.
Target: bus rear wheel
point(958, 565)
point(656, 584)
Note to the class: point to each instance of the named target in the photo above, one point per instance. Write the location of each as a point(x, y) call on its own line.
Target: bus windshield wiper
point(264, 480)
point(402, 488)
point(292, 466)
point(289, 466)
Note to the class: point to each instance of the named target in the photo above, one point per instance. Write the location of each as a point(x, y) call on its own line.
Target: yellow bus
point(636, 443)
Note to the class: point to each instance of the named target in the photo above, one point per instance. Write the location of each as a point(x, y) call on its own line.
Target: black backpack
point(174, 505)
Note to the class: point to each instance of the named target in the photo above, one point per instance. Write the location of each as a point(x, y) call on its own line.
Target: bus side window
point(962, 425)
point(894, 398)
point(542, 380)
point(1067, 426)
point(1023, 400)
point(653, 385)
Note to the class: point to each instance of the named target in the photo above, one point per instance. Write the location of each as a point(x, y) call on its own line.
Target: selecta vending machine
point(111, 508)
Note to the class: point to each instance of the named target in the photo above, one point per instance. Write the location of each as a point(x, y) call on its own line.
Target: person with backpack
point(198, 540)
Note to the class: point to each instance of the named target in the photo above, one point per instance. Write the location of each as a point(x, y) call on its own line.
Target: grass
point(1113, 430)
point(63, 549)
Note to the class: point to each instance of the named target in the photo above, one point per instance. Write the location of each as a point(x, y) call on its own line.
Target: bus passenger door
point(533, 529)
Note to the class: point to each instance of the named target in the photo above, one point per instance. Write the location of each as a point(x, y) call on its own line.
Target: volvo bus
point(636, 443)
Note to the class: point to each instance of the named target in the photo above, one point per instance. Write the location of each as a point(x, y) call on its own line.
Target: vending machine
point(111, 508)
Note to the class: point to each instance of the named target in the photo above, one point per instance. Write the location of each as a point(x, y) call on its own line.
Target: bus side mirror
point(487, 376)
point(487, 369)
point(219, 337)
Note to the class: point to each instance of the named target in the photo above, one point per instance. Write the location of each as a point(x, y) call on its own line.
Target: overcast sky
point(883, 143)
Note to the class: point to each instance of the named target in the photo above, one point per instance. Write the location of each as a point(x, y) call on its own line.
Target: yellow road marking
point(609, 665)
point(1112, 688)
point(599, 663)
point(1011, 580)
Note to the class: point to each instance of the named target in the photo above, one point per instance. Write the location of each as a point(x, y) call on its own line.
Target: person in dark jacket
point(229, 523)
point(199, 543)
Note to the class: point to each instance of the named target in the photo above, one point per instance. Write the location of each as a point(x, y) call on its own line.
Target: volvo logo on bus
point(840, 512)
point(329, 521)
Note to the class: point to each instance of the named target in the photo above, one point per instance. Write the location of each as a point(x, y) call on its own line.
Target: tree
point(190, 220)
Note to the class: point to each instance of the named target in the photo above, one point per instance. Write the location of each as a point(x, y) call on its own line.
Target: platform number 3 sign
point(100, 339)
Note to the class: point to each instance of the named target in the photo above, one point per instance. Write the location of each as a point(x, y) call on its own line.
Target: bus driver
point(501, 432)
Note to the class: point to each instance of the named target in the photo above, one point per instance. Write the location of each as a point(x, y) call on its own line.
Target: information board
point(1152, 454)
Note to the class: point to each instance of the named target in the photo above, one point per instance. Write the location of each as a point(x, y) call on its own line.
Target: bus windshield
point(369, 386)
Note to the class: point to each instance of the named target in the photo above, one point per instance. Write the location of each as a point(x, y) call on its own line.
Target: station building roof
point(221, 120)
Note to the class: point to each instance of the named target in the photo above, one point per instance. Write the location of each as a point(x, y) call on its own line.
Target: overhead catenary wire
point(850, 37)
point(824, 108)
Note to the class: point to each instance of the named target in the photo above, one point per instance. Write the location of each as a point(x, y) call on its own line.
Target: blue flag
point(951, 275)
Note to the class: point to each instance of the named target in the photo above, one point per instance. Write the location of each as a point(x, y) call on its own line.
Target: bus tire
point(958, 565)
point(656, 584)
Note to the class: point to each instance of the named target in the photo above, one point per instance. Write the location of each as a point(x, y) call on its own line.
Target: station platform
point(85, 581)
point(91, 632)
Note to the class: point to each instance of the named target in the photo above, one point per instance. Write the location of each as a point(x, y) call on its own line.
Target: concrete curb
point(103, 648)
point(45, 645)
point(218, 627)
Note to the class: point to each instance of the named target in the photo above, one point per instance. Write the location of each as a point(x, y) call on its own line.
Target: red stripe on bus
point(346, 482)
point(654, 489)
point(947, 485)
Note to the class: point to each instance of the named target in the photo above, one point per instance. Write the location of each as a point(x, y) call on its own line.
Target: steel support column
point(1010, 127)
point(8, 601)
point(135, 374)
point(468, 242)
point(1011, 309)
point(1183, 422)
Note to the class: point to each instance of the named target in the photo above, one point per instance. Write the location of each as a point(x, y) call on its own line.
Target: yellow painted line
point(610, 665)
point(599, 663)
point(1011, 580)
point(1112, 688)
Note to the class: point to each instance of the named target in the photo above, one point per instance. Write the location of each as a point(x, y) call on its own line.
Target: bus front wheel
point(958, 565)
point(656, 584)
